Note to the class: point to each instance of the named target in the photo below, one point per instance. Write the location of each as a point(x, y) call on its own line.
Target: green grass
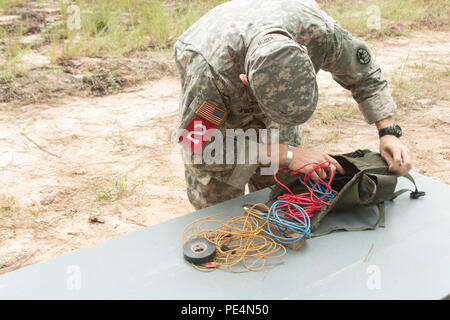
point(12, 50)
point(333, 135)
point(120, 184)
point(113, 192)
point(7, 203)
point(420, 81)
point(8, 6)
point(141, 28)
point(335, 112)
point(11, 54)
point(398, 17)
point(117, 28)
point(118, 188)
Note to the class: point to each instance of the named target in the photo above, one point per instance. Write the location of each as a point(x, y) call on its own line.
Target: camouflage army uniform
point(211, 55)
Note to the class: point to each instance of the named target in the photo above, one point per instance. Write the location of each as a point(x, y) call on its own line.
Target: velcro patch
point(211, 113)
point(196, 133)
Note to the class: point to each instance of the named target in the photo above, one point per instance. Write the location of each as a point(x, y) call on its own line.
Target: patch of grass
point(305, 140)
point(33, 212)
point(333, 135)
point(120, 184)
point(397, 17)
point(12, 48)
point(420, 81)
point(11, 61)
point(117, 28)
point(141, 28)
point(119, 188)
point(103, 193)
point(101, 82)
point(9, 6)
point(7, 203)
point(338, 112)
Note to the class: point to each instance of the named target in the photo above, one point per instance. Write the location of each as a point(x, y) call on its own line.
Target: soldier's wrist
point(286, 154)
point(271, 153)
point(282, 152)
point(384, 123)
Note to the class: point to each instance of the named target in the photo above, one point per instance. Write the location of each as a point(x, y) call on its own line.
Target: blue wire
point(283, 224)
point(320, 188)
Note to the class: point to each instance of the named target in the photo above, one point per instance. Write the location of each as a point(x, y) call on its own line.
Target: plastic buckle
point(416, 194)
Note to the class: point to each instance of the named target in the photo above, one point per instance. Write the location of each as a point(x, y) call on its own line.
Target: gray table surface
point(408, 259)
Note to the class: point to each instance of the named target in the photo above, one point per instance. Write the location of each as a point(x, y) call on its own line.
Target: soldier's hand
point(396, 154)
point(303, 156)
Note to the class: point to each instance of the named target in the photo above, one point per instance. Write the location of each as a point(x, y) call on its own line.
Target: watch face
point(397, 130)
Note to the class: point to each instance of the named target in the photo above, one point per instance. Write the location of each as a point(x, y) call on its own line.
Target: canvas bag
point(370, 185)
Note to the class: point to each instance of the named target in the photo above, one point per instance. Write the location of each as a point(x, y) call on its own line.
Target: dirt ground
point(85, 169)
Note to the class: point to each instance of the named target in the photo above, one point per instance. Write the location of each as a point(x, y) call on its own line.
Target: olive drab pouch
point(367, 183)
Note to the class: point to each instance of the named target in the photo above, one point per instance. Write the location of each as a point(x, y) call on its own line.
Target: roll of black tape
point(199, 251)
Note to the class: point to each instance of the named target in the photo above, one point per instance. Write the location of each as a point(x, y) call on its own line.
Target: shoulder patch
point(211, 113)
point(197, 133)
point(363, 56)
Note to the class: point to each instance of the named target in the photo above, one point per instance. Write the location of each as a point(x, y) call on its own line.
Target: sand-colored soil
point(114, 158)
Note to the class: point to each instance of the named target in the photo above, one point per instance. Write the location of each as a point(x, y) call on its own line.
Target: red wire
point(309, 201)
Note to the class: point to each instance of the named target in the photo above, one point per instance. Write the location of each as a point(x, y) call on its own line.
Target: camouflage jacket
point(210, 56)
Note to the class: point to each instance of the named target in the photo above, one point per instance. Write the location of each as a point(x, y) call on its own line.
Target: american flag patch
point(211, 113)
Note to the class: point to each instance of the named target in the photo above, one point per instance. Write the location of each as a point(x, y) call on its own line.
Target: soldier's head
point(282, 78)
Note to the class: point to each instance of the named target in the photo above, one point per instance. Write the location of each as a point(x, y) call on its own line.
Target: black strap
point(414, 194)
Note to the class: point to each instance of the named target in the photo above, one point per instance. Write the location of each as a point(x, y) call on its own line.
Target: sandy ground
point(84, 170)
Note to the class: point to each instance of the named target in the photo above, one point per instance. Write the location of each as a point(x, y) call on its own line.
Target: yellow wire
point(248, 249)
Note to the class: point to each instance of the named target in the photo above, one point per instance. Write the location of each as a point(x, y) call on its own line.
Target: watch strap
point(394, 130)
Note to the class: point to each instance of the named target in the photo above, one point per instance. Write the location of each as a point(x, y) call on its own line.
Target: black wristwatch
point(394, 129)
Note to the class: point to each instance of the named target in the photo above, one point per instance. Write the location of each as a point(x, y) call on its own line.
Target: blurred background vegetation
point(133, 28)
point(121, 27)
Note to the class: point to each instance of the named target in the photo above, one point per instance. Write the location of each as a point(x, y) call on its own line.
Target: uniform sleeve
point(198, 85)
point(353, 66)
point(202, 115)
